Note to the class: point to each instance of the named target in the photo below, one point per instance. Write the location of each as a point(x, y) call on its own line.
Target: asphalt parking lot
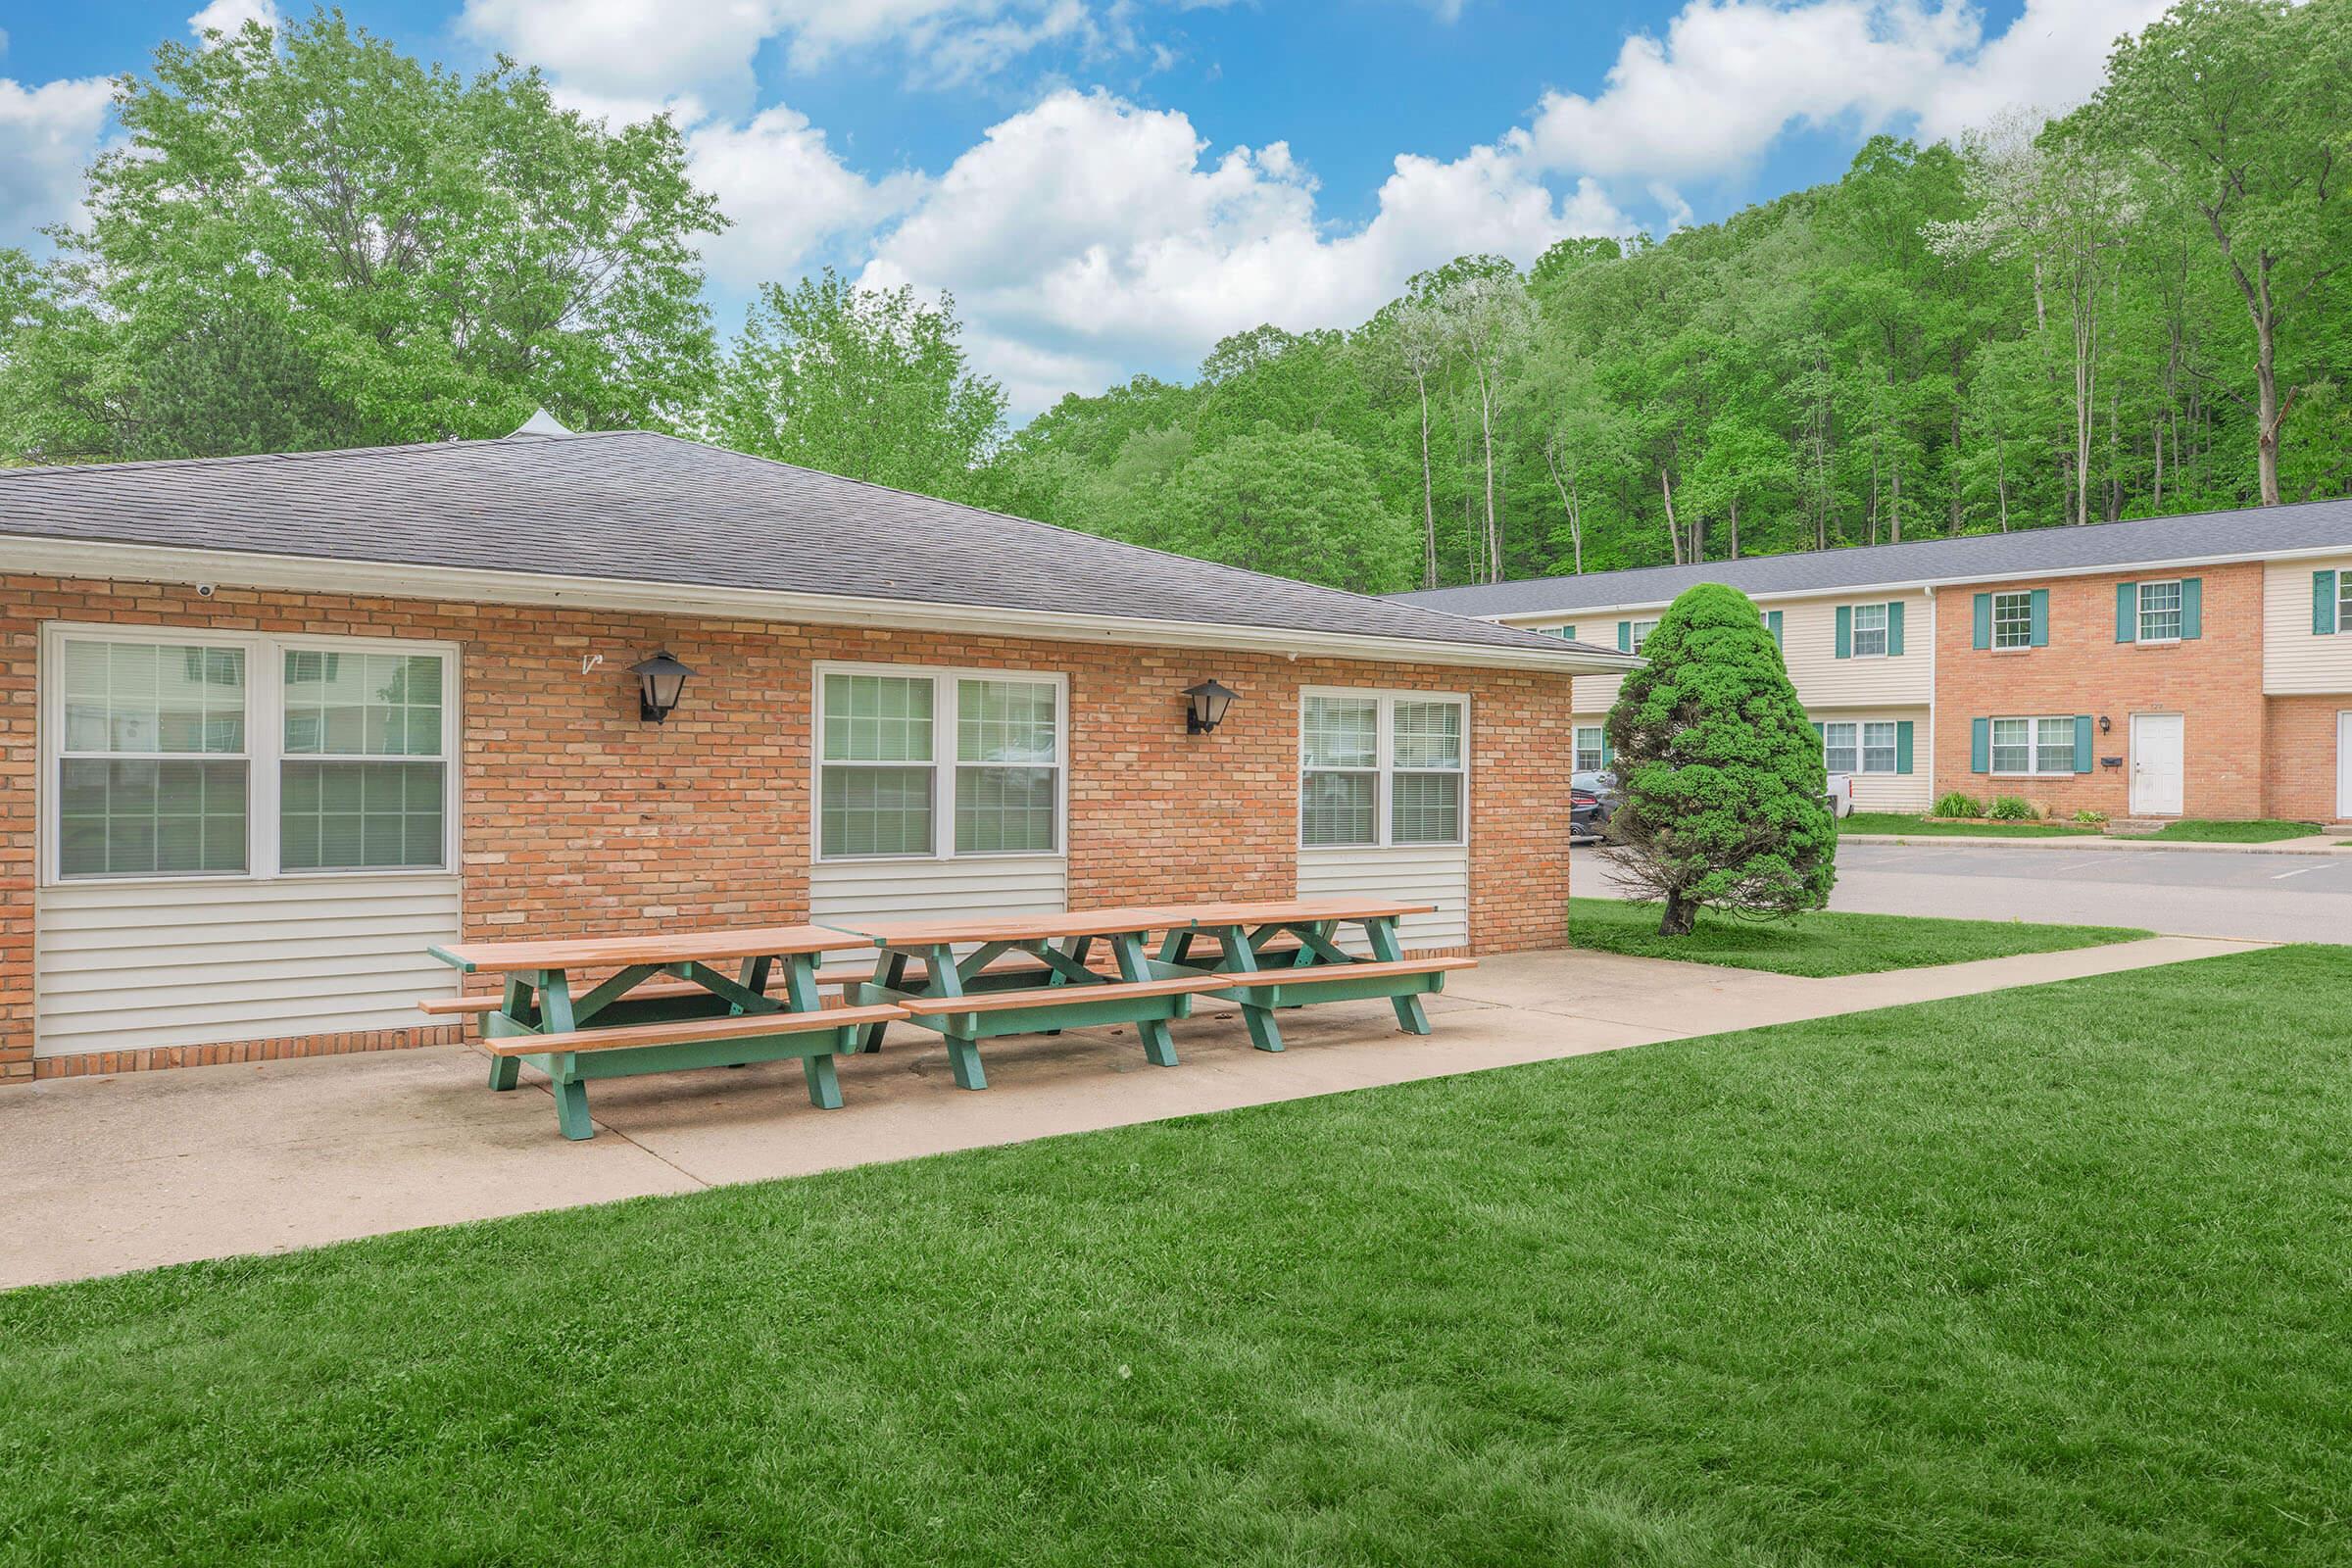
point(2261, 898)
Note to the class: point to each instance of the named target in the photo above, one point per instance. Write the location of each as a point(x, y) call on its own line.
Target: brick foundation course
point(580, 819)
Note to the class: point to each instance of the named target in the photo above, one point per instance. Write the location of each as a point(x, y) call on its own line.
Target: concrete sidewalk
point(162, 1168)
point(2309, 844)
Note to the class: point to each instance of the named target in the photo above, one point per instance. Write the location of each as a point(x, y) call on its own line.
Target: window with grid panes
point(2013, 620)
point(1338, 800)
point(1382, 769)
point(362, 782)
point(876, 772)
point(1008, 768)
point(152, 769)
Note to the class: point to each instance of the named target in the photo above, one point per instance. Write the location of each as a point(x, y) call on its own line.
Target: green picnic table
point(1040, 974)
point(664, 1003)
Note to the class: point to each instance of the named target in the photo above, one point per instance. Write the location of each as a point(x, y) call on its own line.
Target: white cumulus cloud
point(48, 134)
point(230, 15)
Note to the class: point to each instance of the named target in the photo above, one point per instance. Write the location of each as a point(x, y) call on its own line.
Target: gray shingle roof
point(633, 505)
point(1982, 558)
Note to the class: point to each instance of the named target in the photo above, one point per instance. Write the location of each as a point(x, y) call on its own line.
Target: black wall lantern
point(1206, 711)
point(660, 681)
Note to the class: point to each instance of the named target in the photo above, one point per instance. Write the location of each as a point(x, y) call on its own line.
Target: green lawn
point(2200, 831)
point(2054, 1276)
point(1824, 943)
point(1916, 827)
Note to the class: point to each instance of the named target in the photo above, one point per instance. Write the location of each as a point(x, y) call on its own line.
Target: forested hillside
point(303, 237)
point(2142, 308)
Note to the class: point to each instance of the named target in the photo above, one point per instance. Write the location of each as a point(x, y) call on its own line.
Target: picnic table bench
point(575, 1028)
point(983, 994)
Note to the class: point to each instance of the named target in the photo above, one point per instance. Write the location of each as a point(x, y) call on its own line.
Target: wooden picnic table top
point(708, 943)
point(938, 930)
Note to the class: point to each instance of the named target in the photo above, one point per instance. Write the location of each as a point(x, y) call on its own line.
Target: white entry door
point(2156, 765)
point(2343, 767)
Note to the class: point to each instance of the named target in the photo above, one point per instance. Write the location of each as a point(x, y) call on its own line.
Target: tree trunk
point(1680, 918)
point(1673, 534)
point(2268, 413)
point(1486, 425)
point(1734, 525)
point(1428, 503)
point(1568, 499)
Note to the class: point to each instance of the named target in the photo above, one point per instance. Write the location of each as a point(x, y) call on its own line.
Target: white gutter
point(1516, 618)
point(309, 574)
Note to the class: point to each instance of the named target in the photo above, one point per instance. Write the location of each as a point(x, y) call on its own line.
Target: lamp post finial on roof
point(544, 423)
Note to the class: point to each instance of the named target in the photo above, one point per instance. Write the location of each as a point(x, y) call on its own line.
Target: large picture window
point(2030, 746)
point(188, 755)
point(1382, 769)
point(903, 752)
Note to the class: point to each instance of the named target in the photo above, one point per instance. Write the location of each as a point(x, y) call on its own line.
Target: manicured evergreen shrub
point(1724, 787)
point(1958, 805)
point(2013, 808)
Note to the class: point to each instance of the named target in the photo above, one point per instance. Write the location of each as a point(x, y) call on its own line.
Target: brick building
point(276, 725)
point(2197, 665)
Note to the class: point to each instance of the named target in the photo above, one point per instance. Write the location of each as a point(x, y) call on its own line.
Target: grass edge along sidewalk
point(1825, 943)
point(2048, 1275)
point(2222, 832)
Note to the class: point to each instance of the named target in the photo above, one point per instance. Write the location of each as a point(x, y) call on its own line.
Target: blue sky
point(1108, 185)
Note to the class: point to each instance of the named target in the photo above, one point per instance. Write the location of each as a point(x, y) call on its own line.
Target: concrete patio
point(162, 1168)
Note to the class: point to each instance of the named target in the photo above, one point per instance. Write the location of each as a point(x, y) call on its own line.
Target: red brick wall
point(2300, 781)
point(579, 818)
point(2214, 682)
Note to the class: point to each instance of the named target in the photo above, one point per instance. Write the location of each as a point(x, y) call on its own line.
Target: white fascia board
point(309, 574)
point(1522, 617)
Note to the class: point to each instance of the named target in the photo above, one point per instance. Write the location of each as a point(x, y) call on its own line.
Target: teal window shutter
point(1983, 638)
point(1902, 746)
point(2126, 611)
point(2322, 604)
point(1979, 746)
point(2192, 608)
point(1821, 733)
point(1608, 752)
point(1625, 636)
point(1845, 631)
point(1772, 620)
point(2042, 618)
point(2082, 743)
point(1894, 631)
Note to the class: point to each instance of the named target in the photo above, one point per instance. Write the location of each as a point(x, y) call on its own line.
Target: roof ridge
point(2054, 529)
point(232, 458)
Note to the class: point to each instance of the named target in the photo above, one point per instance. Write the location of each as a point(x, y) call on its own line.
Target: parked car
point(1592, 797)
point(1841, 794)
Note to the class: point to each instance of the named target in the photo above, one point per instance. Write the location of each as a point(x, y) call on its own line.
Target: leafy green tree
point(1295, 505)
point(435, 254)
point(2246, 108)
point(1725, 803)
point(232, 385)
point(869, 383)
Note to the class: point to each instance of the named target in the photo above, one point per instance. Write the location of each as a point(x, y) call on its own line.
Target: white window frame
point(2032, 768)
point(1829, 744)
point(1893, 747)
point(1883, 628)
point(265, 747)
point(944, 725)
point(2023, 623)
point(1384, 770)
point(1640, 633)
point(2343, 601)
point(1576, 749)
point(2140, 611)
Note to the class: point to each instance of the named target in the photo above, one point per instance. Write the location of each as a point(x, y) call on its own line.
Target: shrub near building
point(1724, 785)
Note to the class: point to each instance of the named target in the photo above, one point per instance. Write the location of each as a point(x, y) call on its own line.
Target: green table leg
point(1265, 1032)
point(572, 1103)
point(1386, 948)
point(824, 1088)
point(1159, 1047)
point(890, 974)
point(963, 1052)
point(505, 1072)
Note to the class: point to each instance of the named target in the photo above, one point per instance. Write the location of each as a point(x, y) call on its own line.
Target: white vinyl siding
point(2295, 659)
point(1438, 874)
point(1808, 646)
point(123, 965)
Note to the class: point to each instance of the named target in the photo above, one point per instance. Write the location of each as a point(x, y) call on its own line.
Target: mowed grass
point(2195, 830)
point(1825, 943)
point(2051, 1276)
point(1917, 827)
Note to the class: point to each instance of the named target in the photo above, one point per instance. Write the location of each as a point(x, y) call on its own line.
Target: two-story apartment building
point(2196, 666)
